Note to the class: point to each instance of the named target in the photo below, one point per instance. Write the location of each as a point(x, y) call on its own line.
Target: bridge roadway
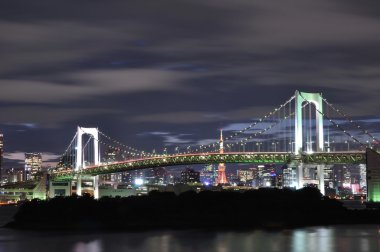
point(357, 157)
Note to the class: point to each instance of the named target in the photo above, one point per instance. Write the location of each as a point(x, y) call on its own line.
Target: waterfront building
point(1, 153)
point(33, 165)
point(363, 178)
point(245, 175)
point(289, 177)
point(14, 175)
point(190, 176)
point(269, 179)
point(207, 174)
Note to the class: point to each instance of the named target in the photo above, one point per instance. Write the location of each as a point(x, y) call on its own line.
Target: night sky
point(166, 72)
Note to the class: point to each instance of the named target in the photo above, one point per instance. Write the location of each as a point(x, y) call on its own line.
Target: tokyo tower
point(222, 179)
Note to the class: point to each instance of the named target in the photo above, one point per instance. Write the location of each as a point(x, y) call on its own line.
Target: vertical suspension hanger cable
point(283, 149)
point(288, 128)
point(328, 129)
point(303, 125)
point(310, 129)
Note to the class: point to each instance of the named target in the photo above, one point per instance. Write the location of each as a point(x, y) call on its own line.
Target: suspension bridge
point(304, 130)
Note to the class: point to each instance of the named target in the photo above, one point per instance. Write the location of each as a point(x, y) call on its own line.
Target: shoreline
point(267, 209)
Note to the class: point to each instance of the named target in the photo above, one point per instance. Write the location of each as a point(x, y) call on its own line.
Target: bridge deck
point(209, 158)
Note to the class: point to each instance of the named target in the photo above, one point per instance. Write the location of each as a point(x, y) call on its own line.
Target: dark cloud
point(183, 68)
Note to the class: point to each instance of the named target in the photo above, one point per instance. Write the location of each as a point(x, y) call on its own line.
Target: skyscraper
point(33, 165)
point(222, 179)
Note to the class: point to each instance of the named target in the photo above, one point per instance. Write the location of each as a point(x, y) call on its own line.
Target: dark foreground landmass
point(263, 208)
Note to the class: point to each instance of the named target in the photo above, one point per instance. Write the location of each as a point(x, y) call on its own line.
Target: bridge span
point(327, 158)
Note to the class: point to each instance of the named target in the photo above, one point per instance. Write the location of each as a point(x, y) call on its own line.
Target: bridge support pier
point(79, 186)
point(96, 186)
point(300, 176)
point(321, 178)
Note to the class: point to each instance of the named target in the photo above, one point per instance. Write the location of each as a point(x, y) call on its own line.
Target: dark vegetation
point(263, 208)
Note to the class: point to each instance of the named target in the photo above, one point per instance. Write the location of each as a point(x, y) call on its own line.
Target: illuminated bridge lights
point(209, 158)
point(336, 158)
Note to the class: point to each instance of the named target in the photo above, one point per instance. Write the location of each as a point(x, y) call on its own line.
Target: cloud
point(181, 117)
point(48, 158)
point(154, 133)
point(179, 66)
point(175, 140)
point(48, 116)
point(89, 84)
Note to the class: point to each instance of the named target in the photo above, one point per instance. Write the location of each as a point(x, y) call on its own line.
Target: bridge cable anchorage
point(240, 132)
point(356, 125)
point(142, 153)
point(335, 124)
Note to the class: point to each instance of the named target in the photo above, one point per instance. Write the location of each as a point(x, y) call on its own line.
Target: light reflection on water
point(324, 239)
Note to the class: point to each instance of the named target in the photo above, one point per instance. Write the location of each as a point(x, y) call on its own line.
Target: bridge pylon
point(79, 162)
point(316, 99)
point(94, 133)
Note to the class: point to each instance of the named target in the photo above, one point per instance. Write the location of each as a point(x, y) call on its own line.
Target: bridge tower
point(316, 99)
point(222, 179)
point(94, 132)
point(79, 162)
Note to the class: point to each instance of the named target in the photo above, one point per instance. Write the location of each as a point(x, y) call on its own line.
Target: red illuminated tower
point(222, 179)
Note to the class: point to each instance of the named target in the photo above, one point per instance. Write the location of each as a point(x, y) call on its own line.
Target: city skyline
point(155, 79)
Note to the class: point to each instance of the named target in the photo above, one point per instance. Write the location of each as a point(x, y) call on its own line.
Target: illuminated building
point(373, 175)
point(207, 175)
point(130, 176)
point(156, 176)
point(346, 177)
point(269, 179)
point(289, 177)
point(245, 175)
point(1, 152)
point(14, 175)
point(190, 176)
point(33, 165)
point(363, 178)
point(222, 179)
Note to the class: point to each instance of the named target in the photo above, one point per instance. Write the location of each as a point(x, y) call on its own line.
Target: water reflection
point(328, 239)
point(93, 246)
point(312, 239)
